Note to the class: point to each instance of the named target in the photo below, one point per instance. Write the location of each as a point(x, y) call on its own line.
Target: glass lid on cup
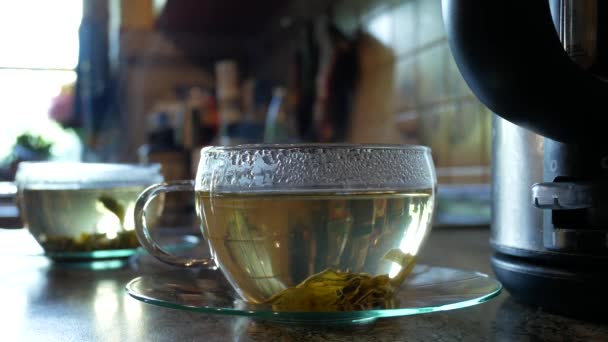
point(78, 175)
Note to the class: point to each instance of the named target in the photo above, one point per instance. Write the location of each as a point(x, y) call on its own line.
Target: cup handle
point(143, 234)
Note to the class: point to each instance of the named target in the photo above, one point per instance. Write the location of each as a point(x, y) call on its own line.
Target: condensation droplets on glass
point(308, 168)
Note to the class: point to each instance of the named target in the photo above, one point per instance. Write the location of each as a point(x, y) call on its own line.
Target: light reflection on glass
point(423, 226)
point(130, 217)
point(395, 268)
point(105, 264)
point(414, 233)
point(410, 234)
point(108, 223)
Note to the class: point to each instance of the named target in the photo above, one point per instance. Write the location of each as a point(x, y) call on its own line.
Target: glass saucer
point(427, 289)
point(92, 255)
point(112, 256)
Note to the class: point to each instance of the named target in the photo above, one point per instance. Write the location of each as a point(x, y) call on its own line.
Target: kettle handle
point(510, 55)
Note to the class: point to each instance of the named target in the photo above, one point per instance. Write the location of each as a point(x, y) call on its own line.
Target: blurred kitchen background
point(144, 81)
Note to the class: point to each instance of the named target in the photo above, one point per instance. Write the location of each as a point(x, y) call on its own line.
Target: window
point(38, 57)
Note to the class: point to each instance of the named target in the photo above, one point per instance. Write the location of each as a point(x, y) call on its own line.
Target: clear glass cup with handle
point(284, 221)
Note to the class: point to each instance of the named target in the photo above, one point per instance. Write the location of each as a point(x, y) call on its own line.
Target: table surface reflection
point(51, 302)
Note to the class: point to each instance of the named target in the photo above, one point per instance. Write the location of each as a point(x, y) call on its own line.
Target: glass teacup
point(83, 211)
point(297, 225)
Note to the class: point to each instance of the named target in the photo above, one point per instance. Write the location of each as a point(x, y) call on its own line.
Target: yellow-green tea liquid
point(266, 243)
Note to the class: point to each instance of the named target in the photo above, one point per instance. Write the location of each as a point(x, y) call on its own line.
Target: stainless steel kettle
point(542, 67)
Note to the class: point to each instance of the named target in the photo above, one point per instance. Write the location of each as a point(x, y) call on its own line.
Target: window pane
point(25, 99)
point(39, 34)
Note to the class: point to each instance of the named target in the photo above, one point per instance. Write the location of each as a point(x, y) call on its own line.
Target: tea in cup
point(83, 210)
